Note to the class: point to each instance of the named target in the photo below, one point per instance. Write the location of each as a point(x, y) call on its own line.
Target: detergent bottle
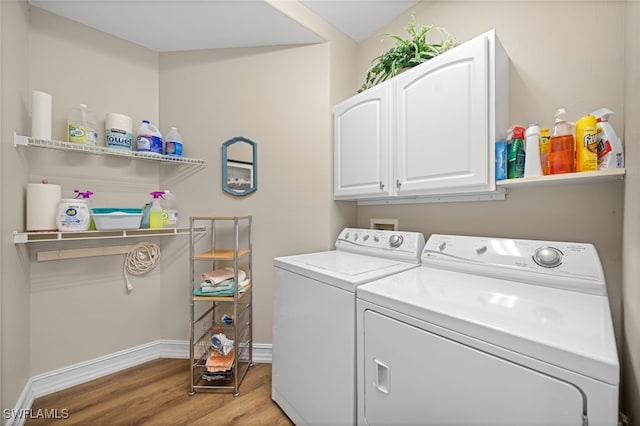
point(81, 126)
point(173, 143)
point(610, 151)
point(169, 209)
point(516, 154)
point(149, 138)
point(532, 164)
point(73, 213)
point(562, 147)
point(155, 212)
point(544, 150)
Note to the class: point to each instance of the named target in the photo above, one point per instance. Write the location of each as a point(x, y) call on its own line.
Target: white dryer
point(489, 331)
point(314, 325)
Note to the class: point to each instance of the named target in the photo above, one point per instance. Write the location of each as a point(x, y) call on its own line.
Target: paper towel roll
point(119, 131)
point(42, 206)
point(41, 105)
point(114, 120)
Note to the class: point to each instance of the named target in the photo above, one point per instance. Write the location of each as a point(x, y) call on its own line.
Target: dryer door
point(412, 376)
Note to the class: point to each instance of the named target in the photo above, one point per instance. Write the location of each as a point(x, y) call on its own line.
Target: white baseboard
point(63, 378)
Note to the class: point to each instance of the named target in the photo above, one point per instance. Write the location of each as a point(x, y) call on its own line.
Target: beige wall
point(14, 268)
point(276, 97)
point(550, 68)
point(80, 308)
point(281, 98)
point(631, 237)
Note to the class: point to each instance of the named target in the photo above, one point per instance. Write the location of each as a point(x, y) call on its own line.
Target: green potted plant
point(407, 53)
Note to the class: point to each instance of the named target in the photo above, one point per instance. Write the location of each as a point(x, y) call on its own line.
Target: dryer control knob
point(395, 240)
point(548, 257)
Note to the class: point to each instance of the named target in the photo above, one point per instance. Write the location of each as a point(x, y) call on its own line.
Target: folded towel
point(212, 291)
point(219, 362)
point(222, 274)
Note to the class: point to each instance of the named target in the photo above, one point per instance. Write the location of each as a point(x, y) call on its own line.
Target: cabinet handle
point(381, 186)
point(382, 377)
point(398, 184)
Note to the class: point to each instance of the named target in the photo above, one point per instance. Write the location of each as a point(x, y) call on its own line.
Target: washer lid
point(342, 269)
point(565, 328)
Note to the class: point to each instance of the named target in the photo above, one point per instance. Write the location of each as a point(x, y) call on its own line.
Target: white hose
point(142, 258)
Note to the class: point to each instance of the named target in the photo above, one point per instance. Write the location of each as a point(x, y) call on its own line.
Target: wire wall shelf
point(19, 140)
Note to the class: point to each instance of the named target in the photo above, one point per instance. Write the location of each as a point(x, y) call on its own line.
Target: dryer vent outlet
point(384, 224)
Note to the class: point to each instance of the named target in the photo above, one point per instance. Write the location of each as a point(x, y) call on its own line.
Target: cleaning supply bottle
point(562, 148)
point(155, 213)
point(169, 209)
point(516, 154)
point(587, 144)
point(85, 195)
point(532, 165)
point(173, 143)
point(74, 213)
point(149, 138)
point(610, 151)
point(144, 224)
point(544, 150)
point(81, 126)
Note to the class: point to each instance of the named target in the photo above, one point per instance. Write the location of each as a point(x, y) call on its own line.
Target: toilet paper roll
point(42, 206)
point(41, 106)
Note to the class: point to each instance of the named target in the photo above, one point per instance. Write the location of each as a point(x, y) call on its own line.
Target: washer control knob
point(548, 257)
point(395, 240)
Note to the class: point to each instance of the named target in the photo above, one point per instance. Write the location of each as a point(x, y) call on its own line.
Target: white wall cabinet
point(362, 134)
point(427, 132)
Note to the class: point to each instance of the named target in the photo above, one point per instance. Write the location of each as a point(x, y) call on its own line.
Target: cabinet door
point(412, 376)
point(361, 144)
point(442, 118)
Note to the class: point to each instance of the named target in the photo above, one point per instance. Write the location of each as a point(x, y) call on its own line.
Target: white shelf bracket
point(20, 140)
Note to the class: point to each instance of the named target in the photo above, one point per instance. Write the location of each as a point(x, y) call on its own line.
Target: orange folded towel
point(218, 362)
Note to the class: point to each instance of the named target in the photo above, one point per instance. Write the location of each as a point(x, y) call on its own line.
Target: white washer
point(489, 331)
point(314, 326)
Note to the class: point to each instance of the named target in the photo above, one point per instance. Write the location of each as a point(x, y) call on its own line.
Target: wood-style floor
point(156, 393)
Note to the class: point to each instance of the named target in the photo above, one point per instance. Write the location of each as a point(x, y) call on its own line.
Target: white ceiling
point(172, 25)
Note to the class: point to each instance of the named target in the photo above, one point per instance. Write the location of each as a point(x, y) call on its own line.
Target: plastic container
point(544, 150)
point(516, 154)
point(169, 209)
point(155, 212)
point(81, 126)
point(587, 144)
point(562, 147)
point(173, 143)
point(73, 215)
point(107, 219)
point(532, 164)
point(85, 195)
point(610, 149)
point(501, 160)
point(149, 138)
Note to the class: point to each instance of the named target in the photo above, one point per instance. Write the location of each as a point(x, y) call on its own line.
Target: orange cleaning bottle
point(562, 146)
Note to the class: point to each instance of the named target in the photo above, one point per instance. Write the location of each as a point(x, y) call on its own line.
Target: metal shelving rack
point(206, 312)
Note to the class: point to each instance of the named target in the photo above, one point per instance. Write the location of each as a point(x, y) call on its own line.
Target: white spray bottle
point(610, 150)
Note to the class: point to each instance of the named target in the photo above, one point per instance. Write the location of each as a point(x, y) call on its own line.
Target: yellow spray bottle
point(155, 213)
point(587, 144)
